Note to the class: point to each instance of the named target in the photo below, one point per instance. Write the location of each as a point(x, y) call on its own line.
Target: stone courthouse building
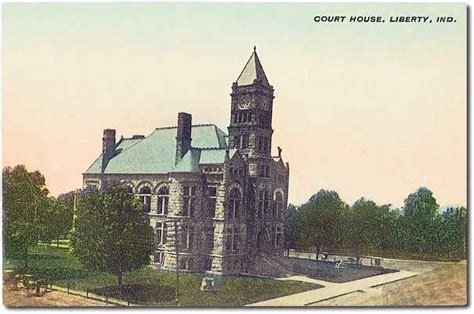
point(218, 199)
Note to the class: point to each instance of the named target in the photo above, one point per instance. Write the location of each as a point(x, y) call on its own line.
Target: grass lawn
point(328, 272)
point(445, 285)
point(58, 266)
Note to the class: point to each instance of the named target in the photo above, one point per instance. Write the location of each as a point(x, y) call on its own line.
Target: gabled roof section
point(189, 162)
point(156, 153)
point(252, 71)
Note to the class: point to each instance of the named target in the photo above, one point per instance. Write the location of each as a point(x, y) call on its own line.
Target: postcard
point(234, 154)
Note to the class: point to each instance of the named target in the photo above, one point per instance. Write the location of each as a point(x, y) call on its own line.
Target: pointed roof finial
point(252, 71)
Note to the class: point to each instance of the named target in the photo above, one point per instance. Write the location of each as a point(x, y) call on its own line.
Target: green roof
point(189, 162)
point(215, 156)
point(156, 152)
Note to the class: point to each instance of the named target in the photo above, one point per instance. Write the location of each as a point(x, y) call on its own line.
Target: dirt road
point(19, 298)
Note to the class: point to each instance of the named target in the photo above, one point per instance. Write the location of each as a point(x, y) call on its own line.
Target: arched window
point(163, 198)
point(278, 205)
point(129, 189)
point(235, 200)
point(145, 198)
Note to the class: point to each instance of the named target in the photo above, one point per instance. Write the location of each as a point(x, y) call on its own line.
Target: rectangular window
point(266, 204)
point(237, 141)
point(162, 206)
point(211, 201)
point(160, 233)
point(267, 171)
point(233, 239)
point(261, 170)
point(160, 258)
point(273, 236)
point(245, 141)
point(210, 238)
point(92, 184)
point(259, 144)
point(187, 238)
point(261, 201)
point(279, 236)
point(183, 263)
point(208, 263)
point(189, 201)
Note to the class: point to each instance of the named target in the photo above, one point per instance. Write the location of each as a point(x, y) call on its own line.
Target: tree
point(365, 225)
point(61, 216)
point(25, 210)
point(454, 232)
point(319, 221)
point(421, 205)
point(112, 232)
point(290, 228)
point(421, 220)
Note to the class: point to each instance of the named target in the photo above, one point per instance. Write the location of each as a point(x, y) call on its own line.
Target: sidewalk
point(332, 290)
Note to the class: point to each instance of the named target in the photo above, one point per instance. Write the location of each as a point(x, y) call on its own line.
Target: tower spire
point(252, 71)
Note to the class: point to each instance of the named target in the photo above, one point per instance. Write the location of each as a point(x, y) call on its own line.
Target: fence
point(89, 295)
point(29, 283)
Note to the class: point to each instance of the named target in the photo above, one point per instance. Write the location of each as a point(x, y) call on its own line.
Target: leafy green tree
point(365, 226)
point(112, 233)
point(421, 205)
point(421, 221)
point(454, 232)
point(319, 221)
point(290, 228)
point(25, 210)
point(62, 211)
point(390, 229)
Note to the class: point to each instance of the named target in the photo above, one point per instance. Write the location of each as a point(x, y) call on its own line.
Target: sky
point(368, 110)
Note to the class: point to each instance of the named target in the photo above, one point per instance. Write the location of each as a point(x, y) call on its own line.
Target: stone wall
point(199, 257)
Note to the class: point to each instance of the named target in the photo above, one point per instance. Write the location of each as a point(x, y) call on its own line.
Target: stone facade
point(219, 215)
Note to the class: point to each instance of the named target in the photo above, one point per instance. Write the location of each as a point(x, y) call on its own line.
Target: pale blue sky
point(376, 109)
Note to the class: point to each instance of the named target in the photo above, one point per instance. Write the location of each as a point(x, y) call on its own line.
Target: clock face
point(244, 103)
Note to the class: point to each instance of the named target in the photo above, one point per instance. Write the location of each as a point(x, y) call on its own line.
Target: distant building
point(227, 193)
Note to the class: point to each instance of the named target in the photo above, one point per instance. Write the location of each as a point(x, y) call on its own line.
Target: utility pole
point(74, 208)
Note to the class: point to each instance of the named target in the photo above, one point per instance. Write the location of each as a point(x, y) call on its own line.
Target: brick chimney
point(183, 136)
point(108, 147)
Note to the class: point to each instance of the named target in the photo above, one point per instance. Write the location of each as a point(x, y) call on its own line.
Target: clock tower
point(250, 128)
